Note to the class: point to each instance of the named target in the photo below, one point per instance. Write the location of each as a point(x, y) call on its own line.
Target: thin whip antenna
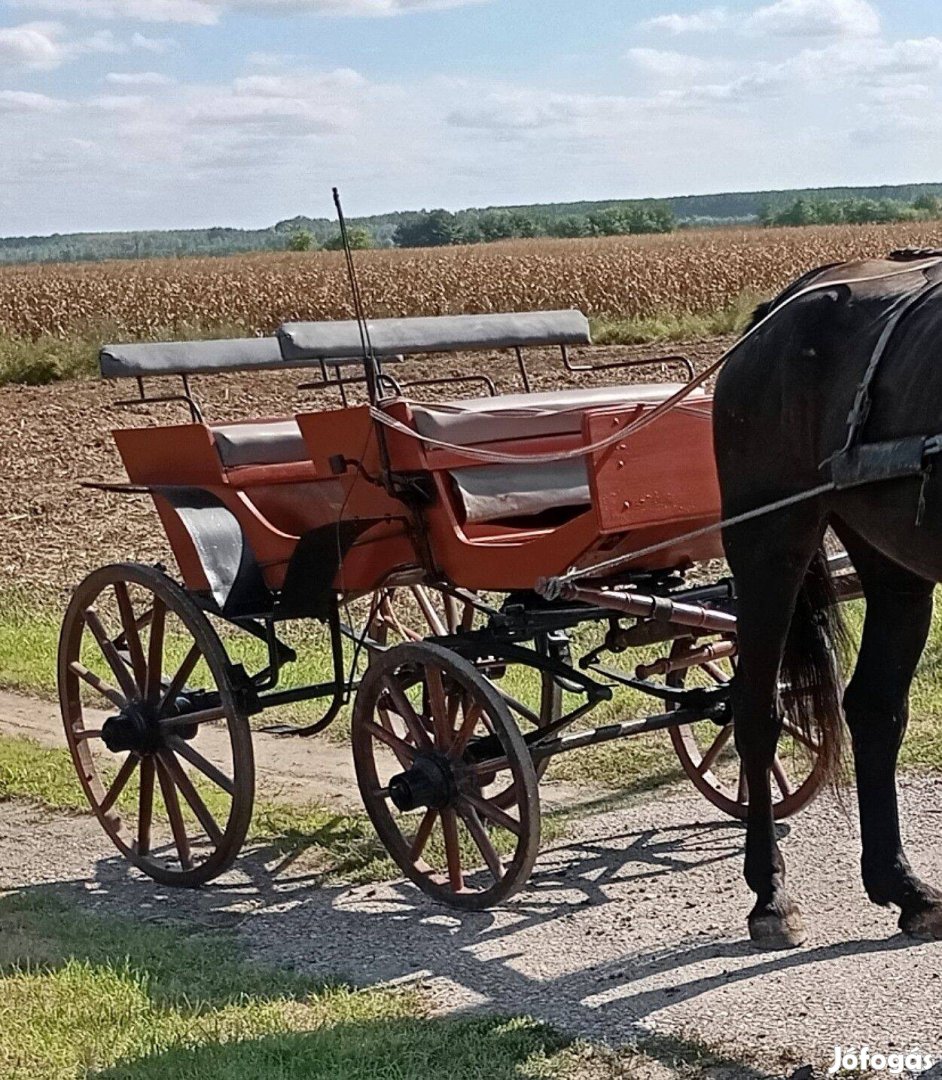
point(370, 362)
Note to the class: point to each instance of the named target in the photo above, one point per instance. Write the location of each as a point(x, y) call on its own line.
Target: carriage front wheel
point(161, 745)
point(436, 752)
point(708, 754)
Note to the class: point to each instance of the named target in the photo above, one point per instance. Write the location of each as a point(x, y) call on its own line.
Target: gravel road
point(634, 925)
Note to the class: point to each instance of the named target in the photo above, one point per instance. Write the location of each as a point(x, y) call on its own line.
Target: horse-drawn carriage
point(415, 531)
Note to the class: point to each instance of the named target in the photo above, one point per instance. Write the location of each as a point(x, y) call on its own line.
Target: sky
point(131, 114)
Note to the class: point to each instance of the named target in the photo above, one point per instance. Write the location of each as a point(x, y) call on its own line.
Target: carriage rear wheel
point(434, 746)
point(161, 746)
point(708, 755)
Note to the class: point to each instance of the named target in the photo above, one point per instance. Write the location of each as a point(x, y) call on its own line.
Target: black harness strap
point(859, 463)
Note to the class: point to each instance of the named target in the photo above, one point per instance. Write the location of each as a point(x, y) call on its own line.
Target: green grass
point(28, 639)
point(673, 325)
point(48, 358)
point(82, 995)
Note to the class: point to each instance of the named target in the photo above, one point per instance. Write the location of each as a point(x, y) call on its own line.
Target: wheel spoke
point(431, 615)
point(87, 733)
point(781, 777)
point(800, 736)
point(177, 825)
point(423, 833)
point(452, 849)
point(111, 654)
point(403, 707)
point(400, 749)
point(184, 671)
point(155, 651)
point(451, 612)
point(196, 759)
point(192, 796)
point(131, 635)
point(204, 716)
point(714, 752)
point(472, 714)
point(107, 691)
point(437, 707)
point(493, 813)
point(479, 835)
point(119, 784)
point(145, 811)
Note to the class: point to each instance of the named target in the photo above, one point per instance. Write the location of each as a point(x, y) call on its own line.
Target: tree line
point(863, 211)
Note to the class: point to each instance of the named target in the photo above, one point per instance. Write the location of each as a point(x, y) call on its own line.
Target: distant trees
point(860, 211)
point(430, 228)
point(440, 228)
point(360, 240)
point(302, 240)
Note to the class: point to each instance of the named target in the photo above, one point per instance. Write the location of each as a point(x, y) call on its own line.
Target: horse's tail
point(811, 667)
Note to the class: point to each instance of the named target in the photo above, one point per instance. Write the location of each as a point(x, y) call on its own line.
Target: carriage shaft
point(660, 608)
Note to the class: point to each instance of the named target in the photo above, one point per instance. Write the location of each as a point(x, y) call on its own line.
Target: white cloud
point(21, 101)
point(43, 45)
point(120, 103)
point(349, 8)
point(208, 12)
point(138, 78)
point(874, 61)
point(816, 18)
point(667, 64)
point(525, 109)
point(35, 45)
point(197, 12)
point(151, 44)
point(698, 22)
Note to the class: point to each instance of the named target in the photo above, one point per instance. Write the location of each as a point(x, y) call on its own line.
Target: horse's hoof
point(774, 932)
point(925, 924)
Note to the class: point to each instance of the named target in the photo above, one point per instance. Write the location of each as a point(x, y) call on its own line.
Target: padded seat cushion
point(261, 442)
point(498, 492)
point(512, 416)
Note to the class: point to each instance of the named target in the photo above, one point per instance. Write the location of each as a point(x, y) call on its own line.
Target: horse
point(826, 412)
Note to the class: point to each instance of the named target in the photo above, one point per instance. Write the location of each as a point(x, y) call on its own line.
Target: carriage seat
point(510, 416)
point(494, 493)
point(260, 442)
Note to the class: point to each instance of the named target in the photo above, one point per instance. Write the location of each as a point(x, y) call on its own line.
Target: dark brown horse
point(781, 415)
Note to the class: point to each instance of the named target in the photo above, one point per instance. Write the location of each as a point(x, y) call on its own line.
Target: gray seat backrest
point(146, 359)
point(441, 333)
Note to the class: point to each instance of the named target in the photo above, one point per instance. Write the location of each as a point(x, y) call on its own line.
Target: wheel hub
point(429, 782)
point(131, 729)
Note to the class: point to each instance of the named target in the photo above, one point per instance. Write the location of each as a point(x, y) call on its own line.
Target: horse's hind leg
point(784, 544)
point(876, 704)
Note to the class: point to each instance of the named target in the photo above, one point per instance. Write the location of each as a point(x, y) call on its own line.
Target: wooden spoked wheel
point(162, 749)
point(415, 612)
point(708, 755)
point(433, 742)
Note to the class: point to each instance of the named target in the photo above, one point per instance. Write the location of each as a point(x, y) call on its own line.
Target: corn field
point(621, 277)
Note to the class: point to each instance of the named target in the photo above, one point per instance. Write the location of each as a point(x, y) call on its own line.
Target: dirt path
point(318, 770)
point(634, 925)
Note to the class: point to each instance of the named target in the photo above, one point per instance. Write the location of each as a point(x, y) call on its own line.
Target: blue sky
point(122, 114)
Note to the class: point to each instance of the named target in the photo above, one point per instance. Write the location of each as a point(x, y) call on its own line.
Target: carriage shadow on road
point(494, 961)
